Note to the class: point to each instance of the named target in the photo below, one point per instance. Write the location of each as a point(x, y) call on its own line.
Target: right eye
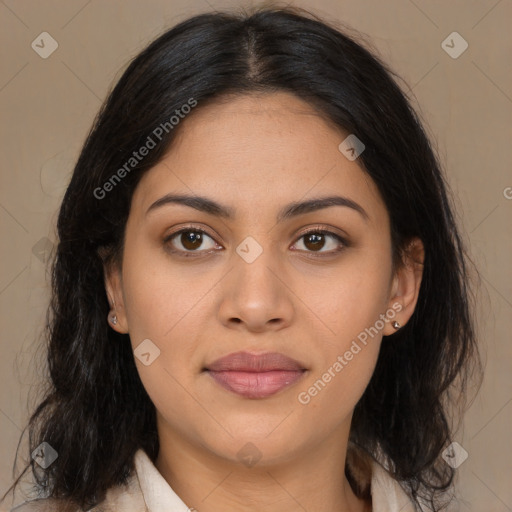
point(188, 241)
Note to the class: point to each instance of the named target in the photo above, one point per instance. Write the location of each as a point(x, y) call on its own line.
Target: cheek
point(167, 306)
point(352, 298)
point(351, 307)
point(160, 307)
point(333, 393)
point(158, 296)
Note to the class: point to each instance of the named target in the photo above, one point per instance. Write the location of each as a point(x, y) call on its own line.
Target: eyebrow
point(211, 207)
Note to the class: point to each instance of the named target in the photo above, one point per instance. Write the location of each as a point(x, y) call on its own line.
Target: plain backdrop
point(48, 104)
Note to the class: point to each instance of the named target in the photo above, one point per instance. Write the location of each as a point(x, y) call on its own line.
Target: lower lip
point(256, 384)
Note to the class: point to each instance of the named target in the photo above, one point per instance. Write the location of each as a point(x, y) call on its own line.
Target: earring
point(113, 317)
point(396, 325)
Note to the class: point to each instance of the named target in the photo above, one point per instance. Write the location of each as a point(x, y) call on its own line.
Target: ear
point(406, 283)
point(114, 289)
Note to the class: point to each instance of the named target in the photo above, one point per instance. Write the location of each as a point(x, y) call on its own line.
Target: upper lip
point(247, 362)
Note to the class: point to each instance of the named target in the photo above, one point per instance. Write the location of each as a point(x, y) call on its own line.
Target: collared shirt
point(148, 491)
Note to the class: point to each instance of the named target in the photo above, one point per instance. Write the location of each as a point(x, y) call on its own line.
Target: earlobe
point(406, 286)
point(116, 317)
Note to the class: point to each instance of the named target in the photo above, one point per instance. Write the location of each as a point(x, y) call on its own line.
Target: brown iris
point(191, 239)
point(315, 240)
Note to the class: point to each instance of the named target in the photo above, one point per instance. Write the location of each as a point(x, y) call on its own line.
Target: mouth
point(255, 375)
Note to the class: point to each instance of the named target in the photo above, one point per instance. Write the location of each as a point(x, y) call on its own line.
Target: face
point(257, 273)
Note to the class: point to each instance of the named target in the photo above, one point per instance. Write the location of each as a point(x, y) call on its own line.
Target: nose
point(256, 296)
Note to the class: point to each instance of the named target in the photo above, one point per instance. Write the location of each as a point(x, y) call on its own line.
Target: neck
point(207, 482)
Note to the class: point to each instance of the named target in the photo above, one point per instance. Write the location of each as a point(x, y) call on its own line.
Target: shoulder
point(387, 494)
point(126, 497)
point(119, 498)
point(44, 505)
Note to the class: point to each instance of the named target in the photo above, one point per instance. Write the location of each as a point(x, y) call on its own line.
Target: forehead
point(258, 152)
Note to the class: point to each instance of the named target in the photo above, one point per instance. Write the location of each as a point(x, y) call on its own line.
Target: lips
point(255, 375)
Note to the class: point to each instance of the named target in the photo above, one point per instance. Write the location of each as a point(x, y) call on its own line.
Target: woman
point(259, 295)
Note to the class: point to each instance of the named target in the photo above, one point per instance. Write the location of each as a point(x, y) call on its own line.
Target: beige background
point(47, 107)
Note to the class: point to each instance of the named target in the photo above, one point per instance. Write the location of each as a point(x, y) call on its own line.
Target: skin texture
point(256, 154)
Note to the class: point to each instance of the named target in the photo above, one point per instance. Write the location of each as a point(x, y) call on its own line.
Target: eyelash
point(318, 230)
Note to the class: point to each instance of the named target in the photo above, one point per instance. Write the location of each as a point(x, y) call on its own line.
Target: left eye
point(316, 240)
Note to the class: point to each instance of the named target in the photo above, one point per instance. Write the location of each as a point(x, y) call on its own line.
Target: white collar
point(157, 493)
point(387, 495)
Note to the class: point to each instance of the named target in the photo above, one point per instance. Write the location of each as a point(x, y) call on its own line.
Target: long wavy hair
point(95, 411)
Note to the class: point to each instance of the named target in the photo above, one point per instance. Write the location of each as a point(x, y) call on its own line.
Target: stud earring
point(396, 325)
point(113, 317)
